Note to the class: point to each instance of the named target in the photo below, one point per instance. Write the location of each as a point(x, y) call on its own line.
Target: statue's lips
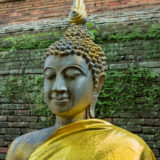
point(60, 101)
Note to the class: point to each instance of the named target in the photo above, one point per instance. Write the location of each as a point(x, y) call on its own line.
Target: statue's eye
point(72, 73)
point(49, 74)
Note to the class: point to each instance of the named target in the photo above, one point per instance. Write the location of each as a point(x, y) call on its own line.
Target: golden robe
point(92, 139)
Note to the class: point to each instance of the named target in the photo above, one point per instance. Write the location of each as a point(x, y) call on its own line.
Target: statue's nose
point(59, 84)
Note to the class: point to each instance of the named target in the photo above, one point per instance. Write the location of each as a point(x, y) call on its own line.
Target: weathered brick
point(157, 129)
point(158, 143)
point(150, 64)
point(147, 137)
point(108, 119)
point(7, 112)
point(2, 137)
point(34, 125)
point(18, 124)
point(129, 115)
point(133, 128)
point(10, 130)
point(3, 150)
point(146, 122)
point(14, 106)
point(148, 130)
point(152, 144)
point(118, 66)
point(22, 112)
point(3, 118)
point(156, 152)
point(10, 137)
point(157, 136)
point(119, 121)
point(132, 121)
point(2, 156)
point(2, 130)
point(116, 115)
point(22, 118)
point(146, 114)
point(27, 130)
point(3, 143)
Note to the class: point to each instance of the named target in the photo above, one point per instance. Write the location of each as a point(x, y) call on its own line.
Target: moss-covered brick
point(152, 64)
point(150, 130)
point(131, 121)
point(133, 128)
point(152, 144)
point(22, 118)
point(145, 114)
point(11, 137)
point(147, 137)
point(129, 115)
point(14, 106)
point(157, 122)
point(119, 121)
point(11, 130)
point(156, 152)
point(3, 118)
point(145, 122)
point(34, 125)
point(2, 155)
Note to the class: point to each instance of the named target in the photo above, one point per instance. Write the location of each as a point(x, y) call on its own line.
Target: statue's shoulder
point(132, 142)
point(23, 146)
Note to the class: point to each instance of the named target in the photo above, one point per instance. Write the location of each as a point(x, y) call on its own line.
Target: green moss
point(100, 34)
point(128, 34)
point(130, 90)
point(30, 41)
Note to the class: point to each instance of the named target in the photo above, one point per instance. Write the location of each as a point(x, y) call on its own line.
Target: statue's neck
point(62, 121)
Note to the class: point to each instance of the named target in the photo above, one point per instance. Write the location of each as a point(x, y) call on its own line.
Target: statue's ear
point(96, 91)
point(99, 85)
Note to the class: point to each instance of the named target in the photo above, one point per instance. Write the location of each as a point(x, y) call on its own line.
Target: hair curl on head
point(77, 41)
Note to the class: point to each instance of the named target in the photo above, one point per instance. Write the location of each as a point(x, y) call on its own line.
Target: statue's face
point(68, 85)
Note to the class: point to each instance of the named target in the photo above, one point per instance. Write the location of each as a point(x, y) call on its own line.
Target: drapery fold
point(92, 139)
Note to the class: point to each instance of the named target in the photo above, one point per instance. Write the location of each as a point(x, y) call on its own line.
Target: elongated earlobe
point(99, 84)
point(96, 90)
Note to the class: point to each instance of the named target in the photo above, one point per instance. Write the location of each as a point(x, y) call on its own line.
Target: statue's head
point(74, 73)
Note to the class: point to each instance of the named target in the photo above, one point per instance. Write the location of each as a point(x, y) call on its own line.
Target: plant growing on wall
point(131, 89)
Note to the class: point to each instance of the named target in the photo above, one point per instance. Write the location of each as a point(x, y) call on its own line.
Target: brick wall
point(16, 117)
point(26, 10)
point(149, 14)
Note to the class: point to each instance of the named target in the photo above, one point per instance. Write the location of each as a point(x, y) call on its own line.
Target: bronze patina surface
point(73, 76)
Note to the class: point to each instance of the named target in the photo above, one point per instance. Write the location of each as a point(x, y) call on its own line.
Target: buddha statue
point(73, 76)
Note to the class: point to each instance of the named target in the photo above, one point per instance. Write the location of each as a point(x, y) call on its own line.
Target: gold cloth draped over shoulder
point(92, 139)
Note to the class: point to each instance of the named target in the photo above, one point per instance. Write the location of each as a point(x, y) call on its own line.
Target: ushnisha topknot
point(77, 41)
point(78, 14)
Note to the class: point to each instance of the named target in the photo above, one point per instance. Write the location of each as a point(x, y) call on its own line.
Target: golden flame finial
point(78, 13)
